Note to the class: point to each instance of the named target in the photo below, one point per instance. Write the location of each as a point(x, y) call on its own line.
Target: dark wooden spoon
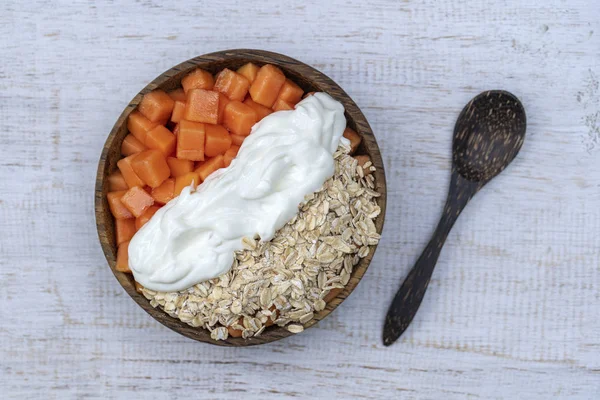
point(488, 134)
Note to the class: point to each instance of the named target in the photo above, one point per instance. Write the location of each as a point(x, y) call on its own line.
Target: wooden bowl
point(310, 80)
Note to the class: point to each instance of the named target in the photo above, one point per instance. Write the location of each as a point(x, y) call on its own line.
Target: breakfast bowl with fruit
point(240, 197)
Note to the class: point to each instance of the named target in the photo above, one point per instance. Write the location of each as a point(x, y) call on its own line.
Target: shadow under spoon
point(488, 134)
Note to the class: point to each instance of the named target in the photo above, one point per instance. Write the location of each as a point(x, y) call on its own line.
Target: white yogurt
point(193, 238)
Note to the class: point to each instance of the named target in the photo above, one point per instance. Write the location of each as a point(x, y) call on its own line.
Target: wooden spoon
point(488, 135)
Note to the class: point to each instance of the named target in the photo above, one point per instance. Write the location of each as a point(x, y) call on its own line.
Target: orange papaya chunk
point(266, 86)
point(217, 141)
point(209, 166)
point(282, 105)
point(151, 166)
point(131, 145)
point(124, 229)
point(137, 200)
point(190, 140)
point(178, 111)
point(239, 118)
point(138, 125)
point(164, 193)
point(116, 182)
point(232, 84)
point(202, 106)
point(261, 111)
point(223, 101)
point(230, 155)
point(184, 181)
point(161, 139)
point(122, 264)
point(156, 106)
point(179, 167)
point(197, 79)
point(354, 139)
point(249, 70)
point(145, 217)
point(117, 208)
point(237, 140)
point(124, 165)
point(177, 95)
point(290, 92)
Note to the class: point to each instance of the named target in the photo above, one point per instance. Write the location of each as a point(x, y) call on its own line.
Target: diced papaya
point(161, 139)
point(164, 193)
point(230, 155)
point(223, 101)
point(117, 208)
point(197, 79)
point(177, 95)
point(124, 229)
point(184, 181)
point(190, 140)
point(179, 167)
point(248, 70)
point(202, 106)
point(151, 166)
point(266, 86)
point(123, 258)
point(138, 125)
point(178, 111)
point(137, 200)
point(145, 217)
point(131, 146)
point(282, 105)
point(128, 173)
point(290, 92)
point(261, 111)
point(362, 160)
point(209, 166)
point(217, 141)
point(237, 139)
point(156, 106)
point(176, 130)
point(239, 118)
point(116, 182)
point(232, 84)
point(354, 139)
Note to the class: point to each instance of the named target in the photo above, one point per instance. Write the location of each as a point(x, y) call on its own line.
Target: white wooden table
point(513, 310)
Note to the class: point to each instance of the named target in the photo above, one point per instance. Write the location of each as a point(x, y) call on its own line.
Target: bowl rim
point(297, 70)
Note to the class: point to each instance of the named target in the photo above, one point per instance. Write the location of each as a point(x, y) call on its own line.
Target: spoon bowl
point(488, 135)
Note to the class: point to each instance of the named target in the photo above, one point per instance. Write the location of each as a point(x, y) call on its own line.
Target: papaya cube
point(151, 166)
point(202, 106)
point(116, 182)
point(138, 125)
point(145, 217)
point(261, 111)
point(239, 118)
point(217, 141)
point(132, 179)
point(161, 139)
point(354, 139)
point(209, 166)
point(290, 92)
point(223, 101)
point(266, 86)
point(191, 178)
point(190, 140)
point(137, 200)
point(237, 140)
point(177, 95)
point(178, 111)
point(156, 106)
point(164, 193)
point(131, 145)
point(232, 84)
point(176, 130)
point(124, 229)
point(179, 167)
point(123, 258)
point(197, 79)
point(230, 155)
point(249, 70)
point(117, 208)
point(282, 105)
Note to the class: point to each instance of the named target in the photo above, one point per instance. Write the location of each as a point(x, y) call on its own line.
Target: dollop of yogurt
point(288, 155)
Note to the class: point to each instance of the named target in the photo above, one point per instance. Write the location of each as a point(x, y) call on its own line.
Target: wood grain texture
point(513, 308)
point(310, 80)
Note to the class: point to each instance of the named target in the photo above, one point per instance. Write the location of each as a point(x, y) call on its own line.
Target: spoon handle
point(408, 298)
